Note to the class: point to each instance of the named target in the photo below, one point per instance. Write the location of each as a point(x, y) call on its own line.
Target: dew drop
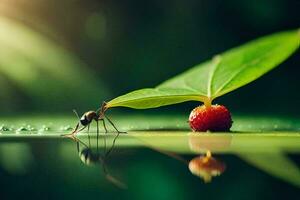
point(66, 128)
point(30, 128)
point(22, 128)
point(44, 128)
point(4, 128)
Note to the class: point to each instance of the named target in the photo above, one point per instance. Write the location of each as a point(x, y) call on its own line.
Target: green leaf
point(224, 73)
point(276, 164)
point(155, 97)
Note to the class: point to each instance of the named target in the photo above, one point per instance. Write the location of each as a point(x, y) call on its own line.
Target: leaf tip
point(216, 59)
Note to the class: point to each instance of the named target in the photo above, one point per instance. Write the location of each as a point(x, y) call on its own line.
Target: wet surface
point(142, 166)
point(154, 163)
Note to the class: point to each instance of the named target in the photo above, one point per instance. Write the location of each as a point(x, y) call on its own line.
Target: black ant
point(87, 119)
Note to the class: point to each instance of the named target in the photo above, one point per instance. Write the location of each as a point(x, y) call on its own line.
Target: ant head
point(87, 117)
point(88, 157)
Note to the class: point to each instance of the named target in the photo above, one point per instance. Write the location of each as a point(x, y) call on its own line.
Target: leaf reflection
point(276, 164)
point(265, 154)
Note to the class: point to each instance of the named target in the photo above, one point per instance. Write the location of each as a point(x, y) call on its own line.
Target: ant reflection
point(91, 156)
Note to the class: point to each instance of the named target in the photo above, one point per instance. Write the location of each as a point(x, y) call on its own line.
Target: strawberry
point(212, 118)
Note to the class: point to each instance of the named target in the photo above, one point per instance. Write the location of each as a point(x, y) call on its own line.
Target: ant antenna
point(109, 177)
point(76, 114)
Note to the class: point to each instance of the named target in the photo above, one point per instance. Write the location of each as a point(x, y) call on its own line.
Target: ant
point(87, 119)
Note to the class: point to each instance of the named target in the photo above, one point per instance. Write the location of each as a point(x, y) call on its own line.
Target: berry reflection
point(206, 167)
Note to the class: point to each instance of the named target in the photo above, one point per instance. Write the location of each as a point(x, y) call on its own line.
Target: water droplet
point(30, 128)
point(44, 128)
point(66, 128)
point(4, 128)
point(22, 128)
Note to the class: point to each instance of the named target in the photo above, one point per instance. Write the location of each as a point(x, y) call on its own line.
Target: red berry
point(213, 118)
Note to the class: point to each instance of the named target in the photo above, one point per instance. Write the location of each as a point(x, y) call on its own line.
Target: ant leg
point(103, 121)
point(97, 134)
point(114, 125)
point(77, 144)
point(72, 135)
point(114, 141)
point(88, 132)
point(81, 129)
point(76, 128)
point(80, 142)
point(113, 145)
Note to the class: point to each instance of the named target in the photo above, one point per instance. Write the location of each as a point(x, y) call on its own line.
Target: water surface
point(259, 159)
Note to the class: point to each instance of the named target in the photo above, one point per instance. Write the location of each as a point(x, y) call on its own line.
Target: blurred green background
point(56, 55)
point(63, 54)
